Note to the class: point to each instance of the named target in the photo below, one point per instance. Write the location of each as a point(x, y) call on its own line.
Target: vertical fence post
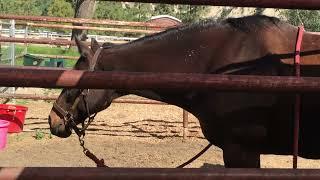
point(185, 124)
point(26, 36)
point(12, 45)
point(298, 99)
point(12, 50)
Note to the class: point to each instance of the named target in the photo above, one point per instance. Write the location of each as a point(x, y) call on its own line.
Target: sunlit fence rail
point(60, 78)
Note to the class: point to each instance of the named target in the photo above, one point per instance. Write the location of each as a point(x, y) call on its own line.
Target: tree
point(186, 13)
point(82, 9)
point(60, 8)
point(126, 12)
point(20, 7)
point(259, 11)
point(43, 6)
point(196, 12)
point(310, 19)
point(110, 10)
point(226, 11)
point(164, 9)
point(190, 13)
point(138, 11)
point(143, 11)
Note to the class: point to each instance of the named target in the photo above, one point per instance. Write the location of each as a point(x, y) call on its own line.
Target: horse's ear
point(83, 49)
point(94, 45)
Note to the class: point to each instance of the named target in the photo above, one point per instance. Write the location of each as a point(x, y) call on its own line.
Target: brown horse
point(244, 125)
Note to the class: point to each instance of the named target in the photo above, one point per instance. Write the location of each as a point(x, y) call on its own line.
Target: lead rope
point(195, 157)
point(100, 162)
point(297, 99)
point(86, 151)
point(90, 155)
point(81, 133)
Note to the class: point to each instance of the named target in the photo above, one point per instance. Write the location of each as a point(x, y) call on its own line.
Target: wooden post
point(185, 124)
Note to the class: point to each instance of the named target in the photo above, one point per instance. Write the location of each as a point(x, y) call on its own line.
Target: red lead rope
point(298, 99)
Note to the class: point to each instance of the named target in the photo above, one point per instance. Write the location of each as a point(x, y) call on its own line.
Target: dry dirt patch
point(125, 135)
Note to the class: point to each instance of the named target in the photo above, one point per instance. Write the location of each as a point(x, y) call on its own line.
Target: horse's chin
point(62, 132)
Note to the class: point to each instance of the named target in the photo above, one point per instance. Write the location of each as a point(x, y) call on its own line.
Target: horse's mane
point(245, 24)
point(251, 23)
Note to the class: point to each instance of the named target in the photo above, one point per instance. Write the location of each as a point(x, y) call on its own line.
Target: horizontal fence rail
point(76, 173)
point(60, 42)
point(282, 4)
point(59, 78)
point(54, 97)
point(55, 56)
point(61, 26)
point(55, 35)
point(83, 21)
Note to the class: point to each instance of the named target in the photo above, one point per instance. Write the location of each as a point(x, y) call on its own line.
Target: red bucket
point(15, 115)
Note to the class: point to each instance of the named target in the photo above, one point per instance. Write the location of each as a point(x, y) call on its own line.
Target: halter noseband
point(68, 116)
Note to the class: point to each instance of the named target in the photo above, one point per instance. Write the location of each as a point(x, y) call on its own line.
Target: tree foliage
point(20, 7)
point(161, 9)
point(190, 13)
point(100, 9)
point(60, 8)
point(143, 11)
point(43, 6)
point(310, 19)
point(104, 9)
point(138, 11)
point(119, 11)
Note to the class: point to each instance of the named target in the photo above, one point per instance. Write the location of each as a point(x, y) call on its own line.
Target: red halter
point(298, 98)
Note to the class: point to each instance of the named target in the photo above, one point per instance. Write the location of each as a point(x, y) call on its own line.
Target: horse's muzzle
point(59, 129)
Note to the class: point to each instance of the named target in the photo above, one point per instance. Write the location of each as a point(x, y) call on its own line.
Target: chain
point(81, 141)
point(99, 162)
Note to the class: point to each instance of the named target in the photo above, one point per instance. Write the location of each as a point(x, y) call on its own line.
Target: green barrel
point(30, 60)
point(55, 62)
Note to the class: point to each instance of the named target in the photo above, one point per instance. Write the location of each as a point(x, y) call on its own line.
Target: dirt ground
point(124, 135)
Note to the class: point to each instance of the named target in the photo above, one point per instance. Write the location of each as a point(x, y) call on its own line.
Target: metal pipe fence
point(84, 21)
point(61, 78)
point(173, 81)
point(61, 26)
point(77, 173)
point(279, 4)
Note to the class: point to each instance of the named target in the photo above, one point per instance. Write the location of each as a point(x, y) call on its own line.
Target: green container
point(53, 62)
point(30, 60)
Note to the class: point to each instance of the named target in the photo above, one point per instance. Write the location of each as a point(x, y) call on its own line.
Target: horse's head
point(73, 106)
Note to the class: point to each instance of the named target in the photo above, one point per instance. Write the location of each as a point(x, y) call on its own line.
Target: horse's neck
point(147, 94)
point(178, 99)
point(310, 50)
